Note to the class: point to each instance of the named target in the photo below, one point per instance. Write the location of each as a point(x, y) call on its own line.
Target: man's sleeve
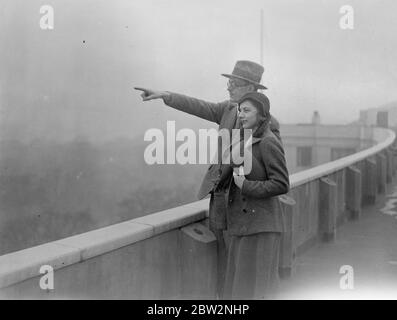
point(206, 110)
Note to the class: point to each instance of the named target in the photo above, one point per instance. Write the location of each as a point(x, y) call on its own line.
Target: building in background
point(384, 116)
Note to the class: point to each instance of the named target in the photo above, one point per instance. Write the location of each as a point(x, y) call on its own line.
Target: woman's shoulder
point(270, 144)
point(269, 137)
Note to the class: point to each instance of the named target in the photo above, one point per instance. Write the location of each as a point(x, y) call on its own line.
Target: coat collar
point(266, 133)
point(233, 118)
point(256, 139)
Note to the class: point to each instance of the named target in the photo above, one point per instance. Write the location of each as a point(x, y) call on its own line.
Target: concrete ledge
point(100, 241)
point(24, 264)
point(174, 218)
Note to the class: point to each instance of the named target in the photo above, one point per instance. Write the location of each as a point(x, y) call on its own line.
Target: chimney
point(316, 120)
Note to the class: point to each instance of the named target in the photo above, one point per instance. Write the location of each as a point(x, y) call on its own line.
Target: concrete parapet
point(381, 166)
point(369, 181)
point(353, 192)
point(389, 161)
point(287, 248)
point(327, 209)
point(394, 161)
point(198, 252)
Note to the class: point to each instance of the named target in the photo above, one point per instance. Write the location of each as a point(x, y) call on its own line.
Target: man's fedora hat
point(248, 71)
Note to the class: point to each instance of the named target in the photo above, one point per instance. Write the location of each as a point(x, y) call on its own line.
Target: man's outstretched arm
point(206, 110)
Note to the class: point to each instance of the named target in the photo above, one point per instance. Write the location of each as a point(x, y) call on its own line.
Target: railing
point(171, 254)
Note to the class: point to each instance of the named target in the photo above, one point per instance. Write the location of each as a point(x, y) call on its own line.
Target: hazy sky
point(77, 79)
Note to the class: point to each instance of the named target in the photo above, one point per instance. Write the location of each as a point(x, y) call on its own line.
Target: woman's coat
point(256, 208)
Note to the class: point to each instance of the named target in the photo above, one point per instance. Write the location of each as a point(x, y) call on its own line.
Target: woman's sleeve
point(278, 179)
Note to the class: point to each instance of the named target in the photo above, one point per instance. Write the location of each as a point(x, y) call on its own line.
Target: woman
point(254, 214)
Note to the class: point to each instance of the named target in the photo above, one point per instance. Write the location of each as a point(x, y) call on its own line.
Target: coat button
point(231, 200)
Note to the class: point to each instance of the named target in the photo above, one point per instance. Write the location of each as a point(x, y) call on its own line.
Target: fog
point(76, 80)
point(71, 125)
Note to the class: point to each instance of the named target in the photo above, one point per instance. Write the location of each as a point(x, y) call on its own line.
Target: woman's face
point(248, 115)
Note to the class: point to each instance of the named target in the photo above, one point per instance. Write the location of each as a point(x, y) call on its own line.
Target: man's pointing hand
point(148, 94)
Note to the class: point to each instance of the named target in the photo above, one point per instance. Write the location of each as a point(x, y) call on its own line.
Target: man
point(246, 77)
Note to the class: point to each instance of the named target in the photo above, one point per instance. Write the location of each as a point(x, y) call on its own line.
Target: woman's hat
point(248, 71)
point(260, 101)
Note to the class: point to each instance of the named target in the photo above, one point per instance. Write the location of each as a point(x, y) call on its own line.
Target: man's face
point(237, 88)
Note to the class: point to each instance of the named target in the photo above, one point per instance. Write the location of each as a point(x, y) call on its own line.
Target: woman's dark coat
point(256, 208)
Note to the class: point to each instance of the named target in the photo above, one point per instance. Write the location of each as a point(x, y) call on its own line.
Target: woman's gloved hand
point(238, 177)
